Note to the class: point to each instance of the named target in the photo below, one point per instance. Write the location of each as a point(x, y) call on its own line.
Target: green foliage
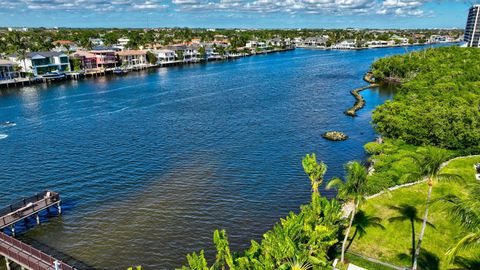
point(314, 170)
point(395, 162)
point(297, 240)
point(439, 99)
point(151, 58)
point(76, 64)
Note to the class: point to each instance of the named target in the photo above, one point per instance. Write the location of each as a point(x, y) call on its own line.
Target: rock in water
point(335, 136)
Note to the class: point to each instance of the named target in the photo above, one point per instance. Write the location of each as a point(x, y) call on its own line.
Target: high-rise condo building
point(472, 30)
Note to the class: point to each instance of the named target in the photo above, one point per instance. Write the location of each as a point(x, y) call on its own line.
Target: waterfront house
point(88, 60)
point(298, 41)
point(7, 70)
point(39, 63)
point(348, 44)
point(316, 42)
point(379, 43)
point(254, 44)
point(105, 57)
point(65, 46)
point(165, 56)
point(133, 59)
point(399, 40)
point(185, 53)
point(276, 42)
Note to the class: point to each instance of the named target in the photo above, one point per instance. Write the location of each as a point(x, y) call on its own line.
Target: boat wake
point(8, 124)
point(3, 136)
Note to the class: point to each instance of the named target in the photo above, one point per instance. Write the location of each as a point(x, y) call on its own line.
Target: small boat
point(54, 75)
point(8, 124)
point(119, 71)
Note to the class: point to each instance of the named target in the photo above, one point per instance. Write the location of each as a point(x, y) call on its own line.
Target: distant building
point(65, 46)
point(122, 43)
point(472, 29)
point(7, 70)
point(97, 41)
point(40, 63)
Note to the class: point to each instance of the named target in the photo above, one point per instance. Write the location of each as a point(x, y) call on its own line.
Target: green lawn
point(359, 261)
point(388, 245)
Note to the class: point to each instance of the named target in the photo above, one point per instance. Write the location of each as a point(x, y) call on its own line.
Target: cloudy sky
point(235, 13)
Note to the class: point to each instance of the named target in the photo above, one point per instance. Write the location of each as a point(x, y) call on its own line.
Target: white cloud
point(325, 7)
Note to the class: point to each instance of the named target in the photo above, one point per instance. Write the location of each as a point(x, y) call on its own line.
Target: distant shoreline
point(22, 82)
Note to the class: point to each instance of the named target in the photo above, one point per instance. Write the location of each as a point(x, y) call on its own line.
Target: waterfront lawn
point(359, 261)
point(390, 244)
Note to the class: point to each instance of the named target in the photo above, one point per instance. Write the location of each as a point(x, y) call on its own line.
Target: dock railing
point(27, 206)
point(28, 256)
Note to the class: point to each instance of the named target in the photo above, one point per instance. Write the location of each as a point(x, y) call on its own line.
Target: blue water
point(149, 164)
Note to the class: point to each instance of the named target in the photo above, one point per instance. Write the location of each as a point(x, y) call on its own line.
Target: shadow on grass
point(426, 261)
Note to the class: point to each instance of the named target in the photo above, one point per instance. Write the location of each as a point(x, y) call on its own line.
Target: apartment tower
point(472, 30)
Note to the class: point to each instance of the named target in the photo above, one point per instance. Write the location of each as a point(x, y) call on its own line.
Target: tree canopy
point(438, 102)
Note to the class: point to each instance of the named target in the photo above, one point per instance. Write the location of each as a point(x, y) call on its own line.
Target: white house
point(97, 42)
point(40, 63)
point(133, 58)
point(165, 56)
point(256, 44)
point(65, 46)
point(317, 42)
point(348, 44)
point(379, 43)
point(122, 42)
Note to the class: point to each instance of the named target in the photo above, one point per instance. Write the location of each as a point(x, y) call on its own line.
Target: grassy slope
point(396, 238)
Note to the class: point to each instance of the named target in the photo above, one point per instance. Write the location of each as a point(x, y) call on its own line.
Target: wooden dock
point(28, 257)
point(20, 253)
point(28, 207)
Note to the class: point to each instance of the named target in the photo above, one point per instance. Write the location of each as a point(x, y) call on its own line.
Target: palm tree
point(315, 171)
point(466, 212)
point(352, 191)
point(408, 213)
point(361, 222)
point(429, 163)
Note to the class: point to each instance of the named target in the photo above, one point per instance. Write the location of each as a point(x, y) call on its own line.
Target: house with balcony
point(88, 60)
point(7, 70)
point(165, 56)
point(132, 59)
point(105, 57)
point(122, 43)
point(39, 63)
point(348, 44)
point(315, 42)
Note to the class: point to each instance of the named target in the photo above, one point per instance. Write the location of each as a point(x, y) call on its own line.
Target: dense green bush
point(438, 101)
point(302, 239)
point(393, 162)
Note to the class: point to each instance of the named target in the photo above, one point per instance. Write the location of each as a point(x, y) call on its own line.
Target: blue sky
point(235, 13)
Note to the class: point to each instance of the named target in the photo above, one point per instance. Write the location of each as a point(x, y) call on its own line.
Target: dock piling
point(7, 263)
